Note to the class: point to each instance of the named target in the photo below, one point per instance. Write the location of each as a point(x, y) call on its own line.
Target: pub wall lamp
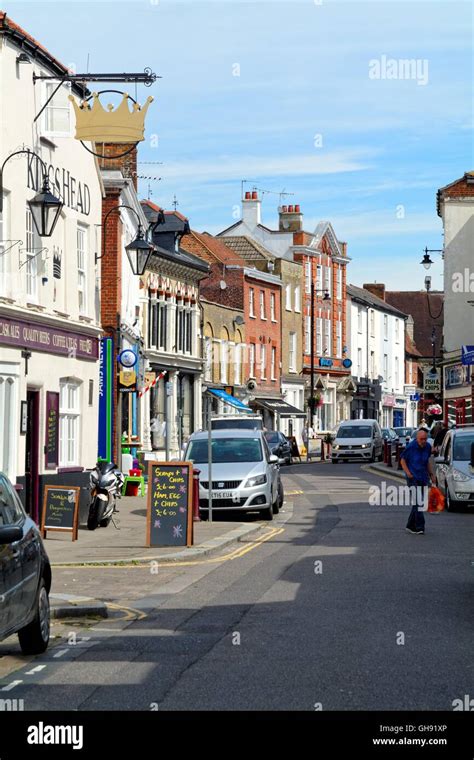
point(45, 207)
point(138, 251)
point(427, 260)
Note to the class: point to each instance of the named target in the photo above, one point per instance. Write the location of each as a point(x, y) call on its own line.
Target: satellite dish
point(223, 284)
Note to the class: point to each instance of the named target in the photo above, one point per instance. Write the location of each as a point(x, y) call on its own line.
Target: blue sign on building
point(325, 362)
point(347, 363)
point(467, 355)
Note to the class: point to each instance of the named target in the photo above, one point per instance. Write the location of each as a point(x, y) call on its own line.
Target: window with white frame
point(224, 361)
point(397, 331)
point(327, 280)
point(339, 339)
point(319, 278)
point(252, 360)
point(251, 302)
point(307, 335)
point(272, 307)
point(288, 297)
point(385, 326)
point(292, 352)
point(273, 363)
point(237, 363)
point(82, 268)
point(307, 276)
point(339, 283)
point(69, 423)
point(359, 320)
point(327, 337)
point(31, 264)
point(372, 323)
point(372, 364)
point(319, 336)
point(158, 324)
point(9, 419)
point(359, 362)
point(297, 298)
point(385, 367)
point(3, 250)
point(263, 362)
point(262, 305)
point(397, 373)
point(57, 114)
point(208, 357)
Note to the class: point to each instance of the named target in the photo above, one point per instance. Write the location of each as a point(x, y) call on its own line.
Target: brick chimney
point(376, 288)
point(251, 209)
point(126, 164)
point(290, 219)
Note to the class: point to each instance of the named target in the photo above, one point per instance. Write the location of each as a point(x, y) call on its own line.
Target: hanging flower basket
point(435, 410)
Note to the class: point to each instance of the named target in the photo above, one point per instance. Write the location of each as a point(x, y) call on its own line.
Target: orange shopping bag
point(435, 500)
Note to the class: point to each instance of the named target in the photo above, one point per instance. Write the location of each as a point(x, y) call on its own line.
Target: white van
point(358, 439)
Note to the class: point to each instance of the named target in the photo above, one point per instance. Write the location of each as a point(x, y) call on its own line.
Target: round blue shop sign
point(127, 358)
point(346, 363)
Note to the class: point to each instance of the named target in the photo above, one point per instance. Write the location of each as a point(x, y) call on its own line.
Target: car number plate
point(222, 494)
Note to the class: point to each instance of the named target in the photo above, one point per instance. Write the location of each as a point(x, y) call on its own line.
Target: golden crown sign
point(95, 124)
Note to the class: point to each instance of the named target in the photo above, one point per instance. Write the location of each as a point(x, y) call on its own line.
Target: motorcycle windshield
point(105, 467)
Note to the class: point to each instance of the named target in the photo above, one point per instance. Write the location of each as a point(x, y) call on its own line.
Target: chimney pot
point(297, 208)
point(290, 209)
point(284, 209)
point(254, 195)
point(247, 196)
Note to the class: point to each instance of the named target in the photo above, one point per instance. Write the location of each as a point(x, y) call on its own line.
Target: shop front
point(366, 400)
point(458, 394)
point(278, 413)
point(48, 412)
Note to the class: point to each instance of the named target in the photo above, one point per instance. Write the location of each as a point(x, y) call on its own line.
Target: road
point(338, 609)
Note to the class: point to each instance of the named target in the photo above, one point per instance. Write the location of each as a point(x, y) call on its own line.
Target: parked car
point(455, 468)
point(237, 422)
point(389, 434)
point(404, 434)
point(245, 474)
point(279, 445)
point(25, 575)
point(358, 439)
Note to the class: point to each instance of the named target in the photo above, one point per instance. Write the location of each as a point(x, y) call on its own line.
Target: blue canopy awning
point(231, 400)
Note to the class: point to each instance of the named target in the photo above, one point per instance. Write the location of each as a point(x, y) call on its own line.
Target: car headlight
point(258, 480)
point(364, 445)
point(336, 447)
point(460, 476)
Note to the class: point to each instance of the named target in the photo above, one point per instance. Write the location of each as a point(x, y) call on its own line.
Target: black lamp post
point(138, 251)
point(45, 207)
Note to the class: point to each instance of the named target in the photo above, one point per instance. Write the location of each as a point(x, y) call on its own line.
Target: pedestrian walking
point(416, 465)
point(439, 437)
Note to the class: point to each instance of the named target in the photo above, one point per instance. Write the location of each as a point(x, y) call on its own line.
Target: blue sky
point(302, 114)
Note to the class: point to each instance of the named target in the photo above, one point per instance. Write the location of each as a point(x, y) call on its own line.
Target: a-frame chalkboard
point(169, 504)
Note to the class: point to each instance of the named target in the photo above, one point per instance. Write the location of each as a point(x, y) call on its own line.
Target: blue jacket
point(417, 458)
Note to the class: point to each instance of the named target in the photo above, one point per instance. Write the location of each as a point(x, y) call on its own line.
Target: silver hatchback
point(455, 468)
point(245, 474)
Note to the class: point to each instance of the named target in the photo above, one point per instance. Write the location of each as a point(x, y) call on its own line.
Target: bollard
point(399, 457)
point(385, 452)
point(196, 474)
point(322, 451)
point(389, 454)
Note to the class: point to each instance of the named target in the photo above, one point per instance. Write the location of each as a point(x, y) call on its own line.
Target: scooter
point(106, 482)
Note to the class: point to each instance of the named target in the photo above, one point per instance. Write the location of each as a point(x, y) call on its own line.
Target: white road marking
point(35, 670)
point(11, 685)
point(60, 653)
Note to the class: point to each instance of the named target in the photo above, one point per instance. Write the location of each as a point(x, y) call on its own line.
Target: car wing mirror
point(273, 459)
point(10, 533)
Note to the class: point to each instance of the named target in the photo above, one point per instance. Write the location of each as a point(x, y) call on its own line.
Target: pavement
point(125, 545)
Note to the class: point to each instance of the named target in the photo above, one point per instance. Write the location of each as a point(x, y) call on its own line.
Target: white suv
point(358, 439)
point(455, 468)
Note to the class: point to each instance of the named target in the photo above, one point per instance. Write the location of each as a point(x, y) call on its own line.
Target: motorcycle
point(106, 482)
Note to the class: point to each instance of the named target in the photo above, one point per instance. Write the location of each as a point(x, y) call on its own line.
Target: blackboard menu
point(61, 509)
point(169, 504)
point(51, 448)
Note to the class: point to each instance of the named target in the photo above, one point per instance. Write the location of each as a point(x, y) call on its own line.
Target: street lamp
point(326, 298)
point(427, 260)
point(45, 207)
point(138, 251)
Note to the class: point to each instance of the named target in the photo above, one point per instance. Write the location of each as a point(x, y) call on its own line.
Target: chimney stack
point(251, 209)
point(376, 288)
point(290, 218)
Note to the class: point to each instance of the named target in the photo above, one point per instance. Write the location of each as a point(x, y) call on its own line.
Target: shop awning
point(231, 400)
point(280, 407)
